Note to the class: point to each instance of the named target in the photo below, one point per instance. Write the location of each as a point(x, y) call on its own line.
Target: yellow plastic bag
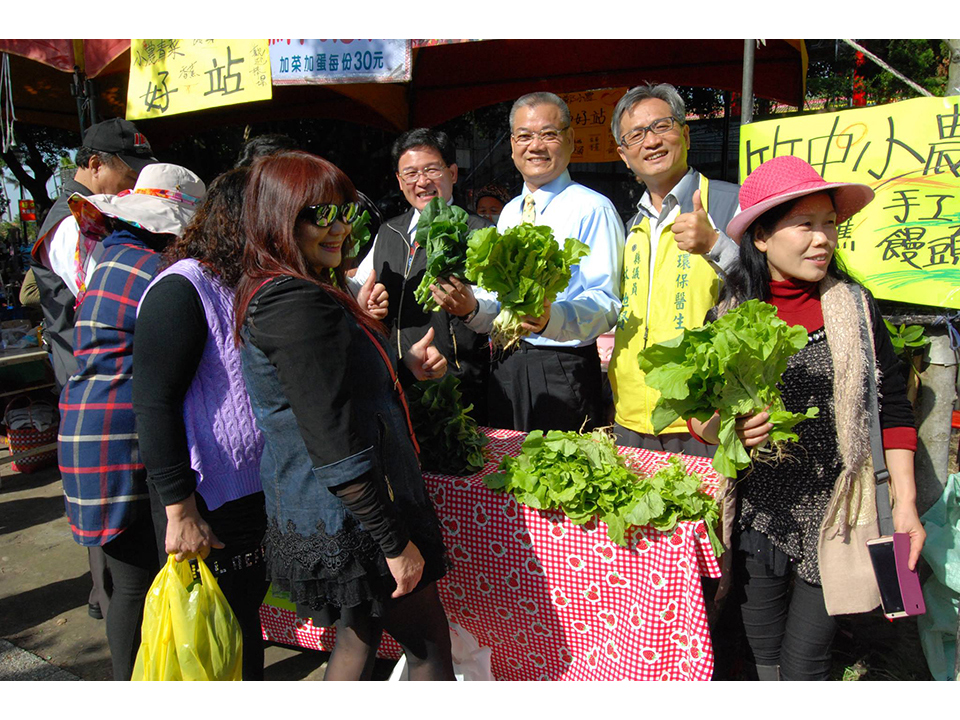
point(189, 631)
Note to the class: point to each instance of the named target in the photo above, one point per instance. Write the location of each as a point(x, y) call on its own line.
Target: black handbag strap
point(880, 472)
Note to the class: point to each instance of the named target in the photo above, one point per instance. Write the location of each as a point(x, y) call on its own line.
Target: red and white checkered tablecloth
point(556, 601)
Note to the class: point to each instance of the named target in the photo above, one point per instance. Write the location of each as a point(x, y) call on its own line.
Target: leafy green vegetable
point(584, 476)
point(525, 267)
point(359, 235)
point(732, 366)
point(907, 340)
point(442, 232)
point(449, 439)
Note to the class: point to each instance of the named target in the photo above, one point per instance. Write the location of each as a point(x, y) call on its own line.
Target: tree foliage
point(837, 75)
point(36, 156)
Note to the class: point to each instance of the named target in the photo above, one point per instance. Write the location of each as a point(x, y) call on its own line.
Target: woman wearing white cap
point(804, 519)
point(104, 482)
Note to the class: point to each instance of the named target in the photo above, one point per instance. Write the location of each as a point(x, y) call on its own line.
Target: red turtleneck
point(797, 303)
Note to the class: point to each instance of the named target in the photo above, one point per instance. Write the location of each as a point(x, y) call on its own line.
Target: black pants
point(238, 567)
point(133, 564)
point(555, 388)
point(683, 443)
point(784, 627)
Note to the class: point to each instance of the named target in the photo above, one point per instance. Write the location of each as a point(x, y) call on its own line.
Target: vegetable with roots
point(526, 268)
point(730, 366)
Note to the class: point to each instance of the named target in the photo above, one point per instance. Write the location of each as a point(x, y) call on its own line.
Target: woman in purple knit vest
point(198, 438)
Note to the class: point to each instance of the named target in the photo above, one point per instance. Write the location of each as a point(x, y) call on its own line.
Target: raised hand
point(692, 231)
point(373, 297)
point(424, 360)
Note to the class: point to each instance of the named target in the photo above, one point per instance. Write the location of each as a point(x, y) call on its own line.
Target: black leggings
point(791, 630)
point(132, 561)
point(417, 621)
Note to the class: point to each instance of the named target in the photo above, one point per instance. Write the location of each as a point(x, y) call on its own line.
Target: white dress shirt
point(590, 303)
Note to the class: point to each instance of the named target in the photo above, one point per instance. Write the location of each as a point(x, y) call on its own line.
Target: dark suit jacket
point(467, 353)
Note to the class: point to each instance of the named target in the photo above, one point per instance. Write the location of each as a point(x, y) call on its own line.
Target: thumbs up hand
point(424, 360)
point(693, 231)
point(373, 297)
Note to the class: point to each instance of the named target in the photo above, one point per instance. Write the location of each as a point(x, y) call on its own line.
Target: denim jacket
point(345, 420)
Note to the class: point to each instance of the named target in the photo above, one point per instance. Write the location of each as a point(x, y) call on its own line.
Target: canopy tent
point(447, 80)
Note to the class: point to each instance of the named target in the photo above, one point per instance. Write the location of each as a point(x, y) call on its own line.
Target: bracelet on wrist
point(472, 314)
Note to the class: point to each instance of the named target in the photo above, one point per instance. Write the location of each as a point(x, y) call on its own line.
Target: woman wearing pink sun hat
point(805, 519)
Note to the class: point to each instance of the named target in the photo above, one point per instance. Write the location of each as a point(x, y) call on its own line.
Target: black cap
point(120, 137)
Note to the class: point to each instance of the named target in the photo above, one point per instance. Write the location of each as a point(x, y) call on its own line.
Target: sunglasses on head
point(326, 214)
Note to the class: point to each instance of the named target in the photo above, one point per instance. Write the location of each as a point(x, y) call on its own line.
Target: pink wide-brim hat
point(785, 178)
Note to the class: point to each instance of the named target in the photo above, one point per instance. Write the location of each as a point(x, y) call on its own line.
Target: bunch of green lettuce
point(359, 235)
point(585, 477)
point(732, 366)
point(525, 267)
point(442, 232)
point(449, 439)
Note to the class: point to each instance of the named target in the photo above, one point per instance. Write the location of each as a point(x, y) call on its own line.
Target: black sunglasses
point(326, 214)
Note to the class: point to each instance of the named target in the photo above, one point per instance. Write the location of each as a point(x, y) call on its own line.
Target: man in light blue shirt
point(553, 379)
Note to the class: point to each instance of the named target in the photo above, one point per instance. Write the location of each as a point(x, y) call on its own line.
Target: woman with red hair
point(351, 533)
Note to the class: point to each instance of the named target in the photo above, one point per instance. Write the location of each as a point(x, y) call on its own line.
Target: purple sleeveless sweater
point(225, 444)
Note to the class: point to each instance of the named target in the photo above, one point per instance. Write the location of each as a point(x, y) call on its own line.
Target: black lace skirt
point(330, 577)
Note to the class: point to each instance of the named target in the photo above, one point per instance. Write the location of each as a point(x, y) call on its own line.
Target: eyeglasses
point(657, 127)
point(326, 214)
point(551, 137)
point(432, 172)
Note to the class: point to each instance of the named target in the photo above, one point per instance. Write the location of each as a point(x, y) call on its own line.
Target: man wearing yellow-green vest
point(674, 259)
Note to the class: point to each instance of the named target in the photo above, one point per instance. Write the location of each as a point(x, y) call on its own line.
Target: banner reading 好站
point(168, 77)
point(322, 62)
point(905, 245)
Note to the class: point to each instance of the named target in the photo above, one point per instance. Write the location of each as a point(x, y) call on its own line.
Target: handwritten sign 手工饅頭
point(905, 245)
point(176, 76)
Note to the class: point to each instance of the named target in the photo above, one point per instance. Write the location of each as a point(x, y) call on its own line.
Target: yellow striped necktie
point(529, 213)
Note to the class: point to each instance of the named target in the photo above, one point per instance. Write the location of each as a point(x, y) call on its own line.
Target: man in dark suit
point(426, 167)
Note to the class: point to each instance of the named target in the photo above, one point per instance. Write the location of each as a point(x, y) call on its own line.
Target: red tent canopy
point(448, 80)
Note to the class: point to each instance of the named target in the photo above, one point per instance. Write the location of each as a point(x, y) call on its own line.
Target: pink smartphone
point(900, 592)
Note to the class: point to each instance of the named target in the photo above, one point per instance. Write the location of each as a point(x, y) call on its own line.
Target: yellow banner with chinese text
point(590, 114)
point(905, 245)
point(177, 76)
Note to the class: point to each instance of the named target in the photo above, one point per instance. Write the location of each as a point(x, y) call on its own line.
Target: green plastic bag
point(189, 631)
point(941, 592)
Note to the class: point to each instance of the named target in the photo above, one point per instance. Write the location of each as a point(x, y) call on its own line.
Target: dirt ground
point(45, 581)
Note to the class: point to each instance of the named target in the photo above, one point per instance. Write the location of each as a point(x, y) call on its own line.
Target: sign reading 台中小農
point(905, 245)
point(176, 76)
point(590, 114)
point(303, 62)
